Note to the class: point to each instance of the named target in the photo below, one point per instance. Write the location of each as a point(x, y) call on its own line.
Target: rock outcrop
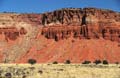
point(83, 23)
point(64, 32)
point(11, 33)
point(70, 33)
point(78, 16)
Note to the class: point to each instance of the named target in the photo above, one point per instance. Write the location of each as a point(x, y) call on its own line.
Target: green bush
point(116, 62)
point(67, 62)
point(97, 62)
point(31, 61)
point(105, 62)
point(8, 75)
point(86, 62)
point(55, 62)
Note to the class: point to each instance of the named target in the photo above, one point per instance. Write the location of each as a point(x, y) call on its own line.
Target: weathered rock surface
point(11, 33)
point(87, 22)
point(70, 33)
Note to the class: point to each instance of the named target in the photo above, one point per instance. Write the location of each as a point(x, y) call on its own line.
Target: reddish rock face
point(34, 19)
point(64, 32)
point(73, 34)
point(11, 33)
point(23, 31)
point(82, 23)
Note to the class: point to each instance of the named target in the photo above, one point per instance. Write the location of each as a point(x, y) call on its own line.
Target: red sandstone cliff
point(87, 23)
point(71, 33)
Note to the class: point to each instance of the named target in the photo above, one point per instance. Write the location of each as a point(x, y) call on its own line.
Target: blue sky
point(40, 6)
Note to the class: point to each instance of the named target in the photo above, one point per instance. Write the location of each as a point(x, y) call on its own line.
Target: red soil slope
point(75, 50)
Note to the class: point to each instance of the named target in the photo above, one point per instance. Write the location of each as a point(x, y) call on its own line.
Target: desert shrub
point(86, 62)
point(40, 71)
point(8, 75)
point(24, 76)
point(105, 62)
point(97, 61)
point(67, 62)
point(55, 62)
point(116, 62)
point(31, 61)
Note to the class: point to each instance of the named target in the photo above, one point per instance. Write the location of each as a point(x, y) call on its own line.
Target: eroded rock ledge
point(28, 41)
point(81, 32)
point(11, 33)
point(78, 16)
point(81, 23)
point(76, 22)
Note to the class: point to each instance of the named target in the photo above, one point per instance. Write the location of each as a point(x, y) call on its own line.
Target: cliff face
point(77, 16)
point(90, 32)
point(11, 33)
point(82, 23)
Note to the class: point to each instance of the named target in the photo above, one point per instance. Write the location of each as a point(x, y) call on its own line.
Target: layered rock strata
point(69, 33)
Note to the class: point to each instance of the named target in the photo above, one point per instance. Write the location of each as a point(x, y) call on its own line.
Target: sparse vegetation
point(105, 62)
point(116, 62)
point(40, 71)
point(32, 61)
point(8, 75)
point(86, 62)
point(55, 62)
point(67, 62)
point(61, 70)
point(97, 62)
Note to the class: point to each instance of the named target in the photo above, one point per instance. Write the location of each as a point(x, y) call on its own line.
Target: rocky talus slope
point(69, 33)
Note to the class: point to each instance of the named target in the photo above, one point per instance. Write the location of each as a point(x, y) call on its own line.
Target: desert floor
point(59, 71)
